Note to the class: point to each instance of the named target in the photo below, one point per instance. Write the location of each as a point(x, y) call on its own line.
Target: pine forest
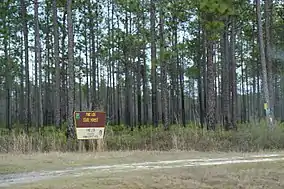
point(183, 74)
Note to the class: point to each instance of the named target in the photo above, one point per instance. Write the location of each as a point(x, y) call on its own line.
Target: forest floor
point(131, 170)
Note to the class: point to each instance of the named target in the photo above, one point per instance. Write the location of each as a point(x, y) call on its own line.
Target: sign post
point(89, 124)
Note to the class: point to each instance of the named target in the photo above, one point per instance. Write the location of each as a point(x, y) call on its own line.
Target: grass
point(242, 176)
point(47, 149)
point(18, 163)
point(248, 138)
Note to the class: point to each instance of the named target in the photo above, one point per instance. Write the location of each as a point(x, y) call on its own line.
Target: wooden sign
point(90, 124)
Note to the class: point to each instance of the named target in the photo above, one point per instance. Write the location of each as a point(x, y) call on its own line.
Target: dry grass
point(21, 153)
point(241, 176)
point(248, 138)
point(13, 163)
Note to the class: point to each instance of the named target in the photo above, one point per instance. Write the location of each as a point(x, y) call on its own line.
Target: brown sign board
point(89, 124)
point(89, 119)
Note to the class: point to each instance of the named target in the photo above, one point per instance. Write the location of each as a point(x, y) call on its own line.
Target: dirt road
point(9, 180)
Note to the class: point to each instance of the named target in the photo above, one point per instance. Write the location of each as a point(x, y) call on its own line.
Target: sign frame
point(89, 125)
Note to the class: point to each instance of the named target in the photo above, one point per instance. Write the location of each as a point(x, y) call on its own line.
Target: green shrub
point(248, 137)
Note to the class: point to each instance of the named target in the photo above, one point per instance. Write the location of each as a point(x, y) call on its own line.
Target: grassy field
point(47, 150)
point(241, 176)
point(17, 163)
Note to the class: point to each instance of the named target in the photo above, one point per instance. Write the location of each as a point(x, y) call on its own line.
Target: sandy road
point(7, 180)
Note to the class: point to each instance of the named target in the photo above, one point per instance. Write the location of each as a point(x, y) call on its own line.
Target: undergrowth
point(248, 138)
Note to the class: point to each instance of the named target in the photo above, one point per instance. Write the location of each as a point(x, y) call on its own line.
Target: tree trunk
point(145, 80)
point(39, 118)
point(267, 105)
point(26, 45)
point(201, 76)
point(64, 76)
point(233, 75)
point(70, 127)
point(7, 74)
point(225, 79)
point(138, 76)
point(127, 112)
point(268, 55)
point(163, 63)
point(211, 97)
point(57, 66)
point(153, 63)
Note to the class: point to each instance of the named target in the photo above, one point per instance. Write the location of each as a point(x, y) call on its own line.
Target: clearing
point(131, 170)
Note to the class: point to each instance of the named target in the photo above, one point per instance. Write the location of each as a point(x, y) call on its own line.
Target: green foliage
point(248, 138)
point(75, 3)
point(130, 5)
point(217, 7)
point(178, 9)
point(168, 54)
point(215, 27)
point(9, 67)
point(61, 3)
point(213, 11)
point(131, 44)
point(193, 72)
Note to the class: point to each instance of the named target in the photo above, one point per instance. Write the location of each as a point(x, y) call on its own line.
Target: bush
point(248, 137)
